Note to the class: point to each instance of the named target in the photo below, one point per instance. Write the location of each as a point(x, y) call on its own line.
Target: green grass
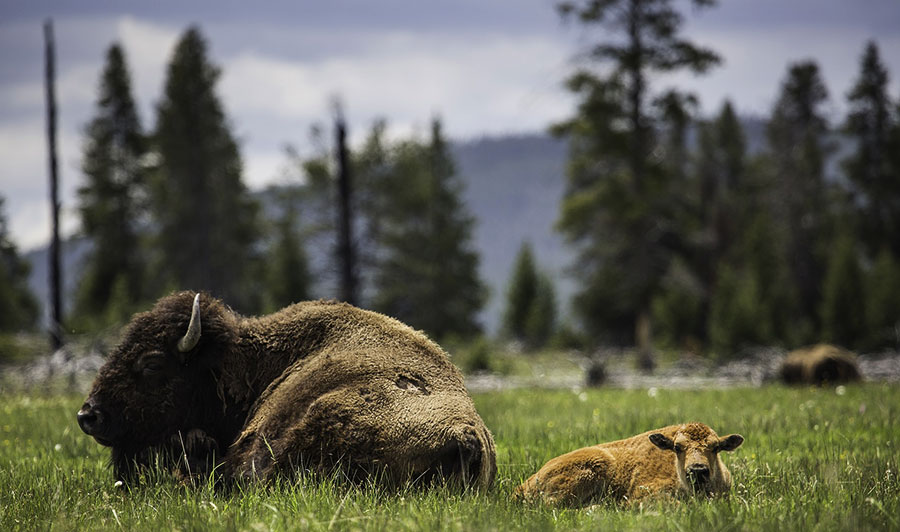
point(813, 459)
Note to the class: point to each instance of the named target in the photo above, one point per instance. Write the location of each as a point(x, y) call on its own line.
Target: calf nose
point(698, 473)
point(90, 418)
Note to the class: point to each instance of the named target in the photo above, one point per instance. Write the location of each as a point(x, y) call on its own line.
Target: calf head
point(145, 392)
point(697, 462)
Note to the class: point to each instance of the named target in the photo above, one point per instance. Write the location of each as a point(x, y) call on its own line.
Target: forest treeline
point(683, 237)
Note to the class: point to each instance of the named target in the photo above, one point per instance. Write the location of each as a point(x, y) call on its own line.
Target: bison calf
point(671, 460)
point(318, 385)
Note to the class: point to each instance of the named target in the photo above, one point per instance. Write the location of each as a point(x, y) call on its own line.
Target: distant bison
point(668, 461)
point(313, 387)
point(820, 364)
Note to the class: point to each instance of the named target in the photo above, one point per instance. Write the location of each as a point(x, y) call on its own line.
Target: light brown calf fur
point(671, 460)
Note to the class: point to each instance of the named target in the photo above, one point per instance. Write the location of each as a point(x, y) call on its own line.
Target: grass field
point(813, 459)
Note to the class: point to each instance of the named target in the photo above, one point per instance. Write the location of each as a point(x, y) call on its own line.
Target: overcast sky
point(488, 67)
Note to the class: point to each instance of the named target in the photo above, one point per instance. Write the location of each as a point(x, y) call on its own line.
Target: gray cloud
point(486, 67)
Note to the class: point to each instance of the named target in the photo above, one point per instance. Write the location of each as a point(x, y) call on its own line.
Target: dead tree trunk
point(346, 252)
point(56, 339)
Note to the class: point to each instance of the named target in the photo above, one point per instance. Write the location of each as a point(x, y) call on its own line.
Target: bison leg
point(195, 454)
point(570, 480)
point(293, 440)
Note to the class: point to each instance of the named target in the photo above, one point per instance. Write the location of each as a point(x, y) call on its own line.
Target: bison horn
point(192, 336)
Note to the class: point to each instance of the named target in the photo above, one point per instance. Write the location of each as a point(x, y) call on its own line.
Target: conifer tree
point(797, 148)
point(869, 123)
point(111, 202)
point(737, 319)
point(677, 301)
point(18, 306)
point(618, 210)
point(843, 308)
point(373, 166)
point(317, 225)
point(725, 196)
point(882, 306)
point(521, 293)
point(428, 273)
point(530, 315)
point(207, 222)
point(720, 206)
point(288, 273)
point(540, 324)
point(753, 302)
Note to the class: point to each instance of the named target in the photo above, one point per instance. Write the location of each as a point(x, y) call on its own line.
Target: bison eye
point(152, 365)
point(152, 368)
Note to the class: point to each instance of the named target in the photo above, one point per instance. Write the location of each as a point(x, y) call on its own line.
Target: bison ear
point(192, 337)
point(730, 442)
point(664, 443)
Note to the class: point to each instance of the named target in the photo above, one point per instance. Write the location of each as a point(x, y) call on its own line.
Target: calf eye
point(679, 448)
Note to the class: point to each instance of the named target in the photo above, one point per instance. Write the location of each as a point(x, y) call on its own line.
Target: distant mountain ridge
point(514, 186)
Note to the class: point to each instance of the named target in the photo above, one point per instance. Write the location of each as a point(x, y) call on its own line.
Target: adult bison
point(318, 385)
point(820, 364)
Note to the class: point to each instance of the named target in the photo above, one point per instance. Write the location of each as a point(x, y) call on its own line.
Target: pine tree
point(677, 302)
point(618, 208)
point(797, 148)
point(737, 319)
point(720, 207)
point(843, 307)
point(317, 226)
point(521, 293)
point(869, 123)
point(677, 308)
point(373, 166)
point(882, 306)
point(428, 273)
point(530, 315)
point(725, 195)
point(540, 324)
point(754, 302)
point(207, 222)
point(111, 202)
point(288, 276)
point(18, 307)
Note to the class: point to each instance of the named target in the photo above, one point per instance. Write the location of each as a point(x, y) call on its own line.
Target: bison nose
point(698, 473)
point(461, 457)
point(90, 418)
point(470, 450)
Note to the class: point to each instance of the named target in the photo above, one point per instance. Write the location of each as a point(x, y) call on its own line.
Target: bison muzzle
point(315, 387)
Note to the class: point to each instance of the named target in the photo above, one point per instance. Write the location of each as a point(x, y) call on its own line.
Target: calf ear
point(662, 442)
point(730, 442)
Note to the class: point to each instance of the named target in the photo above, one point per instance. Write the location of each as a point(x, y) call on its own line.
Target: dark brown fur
point(314, 386)
point(820, 364)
